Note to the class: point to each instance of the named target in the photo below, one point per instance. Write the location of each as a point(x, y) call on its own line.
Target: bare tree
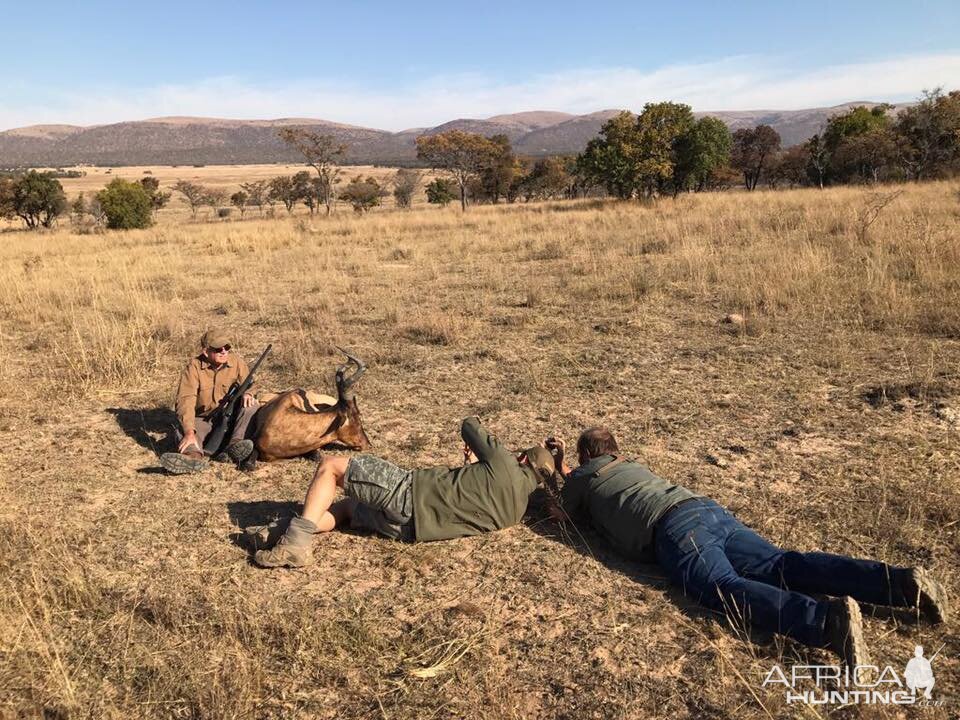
point(753, 151)
point(194, 193)
point(256, 193)
point(405, 184)
point(321, 152)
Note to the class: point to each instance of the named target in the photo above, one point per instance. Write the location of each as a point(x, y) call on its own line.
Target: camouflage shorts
point(385, 497)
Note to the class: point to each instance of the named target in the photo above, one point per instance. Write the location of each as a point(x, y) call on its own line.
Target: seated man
point(415, 505)
point(203, 384)
point(726, 566)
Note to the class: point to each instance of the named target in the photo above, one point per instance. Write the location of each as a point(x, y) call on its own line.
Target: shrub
point(127, 205)
point(441, 191)
point(362, 194)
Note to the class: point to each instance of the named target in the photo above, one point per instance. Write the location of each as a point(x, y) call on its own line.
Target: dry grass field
point(829, 419)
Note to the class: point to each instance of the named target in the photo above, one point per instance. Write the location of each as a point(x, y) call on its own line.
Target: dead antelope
point(290, 425)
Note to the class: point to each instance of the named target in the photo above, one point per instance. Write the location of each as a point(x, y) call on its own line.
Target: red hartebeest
point(289, 425)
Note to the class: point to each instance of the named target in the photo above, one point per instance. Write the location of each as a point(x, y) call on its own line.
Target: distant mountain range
point(212, 141)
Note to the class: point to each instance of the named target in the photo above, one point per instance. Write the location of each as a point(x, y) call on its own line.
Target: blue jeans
point(721, 563)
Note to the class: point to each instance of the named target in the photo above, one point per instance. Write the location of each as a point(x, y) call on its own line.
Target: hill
point(210, 141)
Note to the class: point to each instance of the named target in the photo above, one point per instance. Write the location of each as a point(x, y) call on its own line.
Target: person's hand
point(555, 512)
point(189, 439)
point(467, 454)
point(248, 400)
point(557, 448)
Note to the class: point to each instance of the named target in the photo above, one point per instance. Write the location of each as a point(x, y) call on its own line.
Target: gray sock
point(300, 532)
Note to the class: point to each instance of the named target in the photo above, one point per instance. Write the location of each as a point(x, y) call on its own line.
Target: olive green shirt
point(489, 494)
point(623, 504)
point(202, 387)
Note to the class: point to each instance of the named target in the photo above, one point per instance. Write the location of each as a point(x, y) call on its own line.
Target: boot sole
point(264, 562)
point(177, 464)
point(932, 598)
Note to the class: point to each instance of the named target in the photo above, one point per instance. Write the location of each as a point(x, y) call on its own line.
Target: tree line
point(664, 150)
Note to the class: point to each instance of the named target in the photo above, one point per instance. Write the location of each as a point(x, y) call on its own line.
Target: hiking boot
point(844, 632)
point(250, 464)
point(182, 463)
point(284, 554)
point(926, 594)
point(240, 450)
point(260, 537)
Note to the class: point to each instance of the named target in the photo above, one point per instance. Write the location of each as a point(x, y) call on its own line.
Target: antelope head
point(350, 432)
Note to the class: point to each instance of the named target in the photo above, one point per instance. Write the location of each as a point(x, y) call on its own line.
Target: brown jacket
point(201, 387)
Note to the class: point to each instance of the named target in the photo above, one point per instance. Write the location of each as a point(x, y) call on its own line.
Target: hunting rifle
point(222, 416)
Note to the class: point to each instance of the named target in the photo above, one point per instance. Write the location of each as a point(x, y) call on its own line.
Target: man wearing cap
point(203, 384)
point(723, 564)
point(412, 505)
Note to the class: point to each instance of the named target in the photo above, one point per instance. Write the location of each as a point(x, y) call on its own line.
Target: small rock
point(715, 460)
point(947, 414)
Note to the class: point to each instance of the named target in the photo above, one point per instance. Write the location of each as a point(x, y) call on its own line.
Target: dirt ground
point(829, 419)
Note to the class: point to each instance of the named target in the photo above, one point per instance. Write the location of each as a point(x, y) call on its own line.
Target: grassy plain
point(828, 419)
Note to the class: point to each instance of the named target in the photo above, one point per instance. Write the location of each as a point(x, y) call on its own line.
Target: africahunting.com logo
point(864, 684)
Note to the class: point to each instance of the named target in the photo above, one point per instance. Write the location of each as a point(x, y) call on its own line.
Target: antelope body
point(290, 426)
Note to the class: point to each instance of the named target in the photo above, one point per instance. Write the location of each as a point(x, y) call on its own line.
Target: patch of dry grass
point(826, 420)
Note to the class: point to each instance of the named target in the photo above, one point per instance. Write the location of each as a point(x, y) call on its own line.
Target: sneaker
point(284, 555)
point(926, 594)
point(182, 464)
point(240, 450)
point(844, 631)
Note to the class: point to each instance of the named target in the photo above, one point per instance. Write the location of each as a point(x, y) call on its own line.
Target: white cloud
point(737, 83)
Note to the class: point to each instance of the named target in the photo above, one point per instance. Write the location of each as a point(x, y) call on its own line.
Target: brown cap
point(215, 337)
point(541, 461)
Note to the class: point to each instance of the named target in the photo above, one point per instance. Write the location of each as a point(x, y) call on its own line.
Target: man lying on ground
point(414, 505)
point(721, 563)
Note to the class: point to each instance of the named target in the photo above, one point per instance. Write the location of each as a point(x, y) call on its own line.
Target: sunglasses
point(225, 348)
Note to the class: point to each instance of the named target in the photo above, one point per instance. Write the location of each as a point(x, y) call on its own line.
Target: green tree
point(610, 159)
point(661, 129)
point(321, 152)
point(859, 143)
point(699, 152)
point(441, 192)
point(37, 199)
point(158, 198)
point(547, 179)
point(929, 135)
point(497, 176)
point(127, 205)
point(752, 152)
point(6, 198)
point(363, 194)
point(405, 184)
point(461, 154)
point(283, 188)
point(239, 201)
point(867, 157)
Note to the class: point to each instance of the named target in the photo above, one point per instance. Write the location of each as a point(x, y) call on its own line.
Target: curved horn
point(344, 383)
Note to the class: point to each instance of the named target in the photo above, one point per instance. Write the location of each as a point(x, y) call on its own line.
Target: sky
point(397, 65)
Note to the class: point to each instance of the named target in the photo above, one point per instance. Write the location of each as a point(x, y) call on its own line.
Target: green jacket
point(489, 494)
point(623, 504)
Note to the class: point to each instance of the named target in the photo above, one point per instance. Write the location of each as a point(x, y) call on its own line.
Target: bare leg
point(338, 515)
point(295, 548)
point(322, 491)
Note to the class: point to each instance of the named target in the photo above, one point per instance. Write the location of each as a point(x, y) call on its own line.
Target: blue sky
point(404, 64)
